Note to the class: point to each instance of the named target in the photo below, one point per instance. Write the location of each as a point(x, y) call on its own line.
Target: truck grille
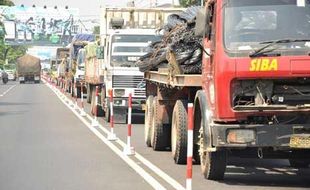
point(127, 81)
point(139, 92)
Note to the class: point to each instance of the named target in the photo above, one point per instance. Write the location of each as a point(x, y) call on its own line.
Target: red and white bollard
point(189, 165)
point(95, 122)
point(128, 149)
point(111, 135)
point(82, 112)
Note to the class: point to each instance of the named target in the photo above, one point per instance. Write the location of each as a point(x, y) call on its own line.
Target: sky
point(88, 8)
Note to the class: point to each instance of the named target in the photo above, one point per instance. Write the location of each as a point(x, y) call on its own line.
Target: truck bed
point(181, 80)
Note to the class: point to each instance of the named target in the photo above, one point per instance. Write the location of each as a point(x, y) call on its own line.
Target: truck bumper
point(281, 137)
point(137, 103)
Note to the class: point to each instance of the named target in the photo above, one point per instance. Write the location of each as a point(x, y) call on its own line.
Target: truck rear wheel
point(299, 163)
point(159, 134)
point(107, 112)
point(89, 93)
point(148, 120)
point(179, 132)
point(94, 105)
point(77, 92)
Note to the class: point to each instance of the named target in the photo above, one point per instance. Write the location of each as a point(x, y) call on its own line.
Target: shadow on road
point(13, 103)
point(2, 113)
point(269, 173)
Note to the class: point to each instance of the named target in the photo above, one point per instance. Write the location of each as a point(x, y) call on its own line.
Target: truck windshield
point(9, 67)
point(128, 48)
point(126, 54)
point(247, 23)
point(135, 38)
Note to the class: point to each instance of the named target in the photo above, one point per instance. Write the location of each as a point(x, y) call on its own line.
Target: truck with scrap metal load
point(62, 64)
point(251, 98)
point(71, 64)
point(125, 35)
point(28, 69)
point(77, 61)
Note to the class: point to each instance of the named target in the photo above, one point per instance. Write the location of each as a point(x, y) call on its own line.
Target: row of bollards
point(128, 149)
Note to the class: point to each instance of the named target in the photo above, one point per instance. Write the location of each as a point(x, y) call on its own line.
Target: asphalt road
point(45, 145)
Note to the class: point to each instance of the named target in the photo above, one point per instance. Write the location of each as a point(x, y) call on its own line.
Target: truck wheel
point(179, 132)
point(72, 90)
point(107, 112)
point(213, 164)
point(299, 163)
point(78, 92)
point(159, 134)
point(89, 93)
point(148, 120)
point(94, 105)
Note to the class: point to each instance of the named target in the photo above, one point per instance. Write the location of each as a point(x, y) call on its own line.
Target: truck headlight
point(119, 92)
point(240, 136)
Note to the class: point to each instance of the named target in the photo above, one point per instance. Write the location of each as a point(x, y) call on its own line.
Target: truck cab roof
point(132, 31)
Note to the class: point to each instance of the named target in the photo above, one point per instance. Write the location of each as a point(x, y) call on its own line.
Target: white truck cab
point(122, 49)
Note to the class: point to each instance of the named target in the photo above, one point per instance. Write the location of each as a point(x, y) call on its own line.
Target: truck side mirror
point(203, 27)
point(100, 52)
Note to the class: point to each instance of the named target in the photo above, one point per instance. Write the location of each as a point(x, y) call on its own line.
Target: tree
point(7, 51)
point(6, 2)
point(188, 3)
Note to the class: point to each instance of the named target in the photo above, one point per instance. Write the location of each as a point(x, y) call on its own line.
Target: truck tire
point(148, 120)
point(179, 132)
point(299, 163)
point(89, 93)
point(77, 92)
point(94, 105)
point(72, 90)
point(107, 112)
point(213, 164)
point(160, 134)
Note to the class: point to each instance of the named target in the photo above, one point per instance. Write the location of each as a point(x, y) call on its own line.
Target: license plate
point(300, 141)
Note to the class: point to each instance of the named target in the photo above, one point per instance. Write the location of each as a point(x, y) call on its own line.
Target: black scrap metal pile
point(179, 39)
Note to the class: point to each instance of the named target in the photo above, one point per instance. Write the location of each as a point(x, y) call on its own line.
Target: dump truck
point(252, 98)
point(28, 69)
point(125, 34)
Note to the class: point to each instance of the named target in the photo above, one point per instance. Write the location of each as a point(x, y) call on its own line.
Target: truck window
point(247, 23)
point(127, 49)
point(135, 38)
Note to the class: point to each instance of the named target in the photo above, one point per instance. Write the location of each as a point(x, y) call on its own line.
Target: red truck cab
point(255, 100)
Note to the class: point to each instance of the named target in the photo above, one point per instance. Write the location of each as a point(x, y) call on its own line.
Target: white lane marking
point(152, 181)
point(146, 162)
point(150, 165)
point(8, 90)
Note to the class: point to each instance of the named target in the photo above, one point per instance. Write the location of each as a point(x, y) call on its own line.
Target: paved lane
point(44, 146)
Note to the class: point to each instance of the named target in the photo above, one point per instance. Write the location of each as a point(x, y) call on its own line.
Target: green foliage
point(6, 2)
point(188, 3)
point(13, 52)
